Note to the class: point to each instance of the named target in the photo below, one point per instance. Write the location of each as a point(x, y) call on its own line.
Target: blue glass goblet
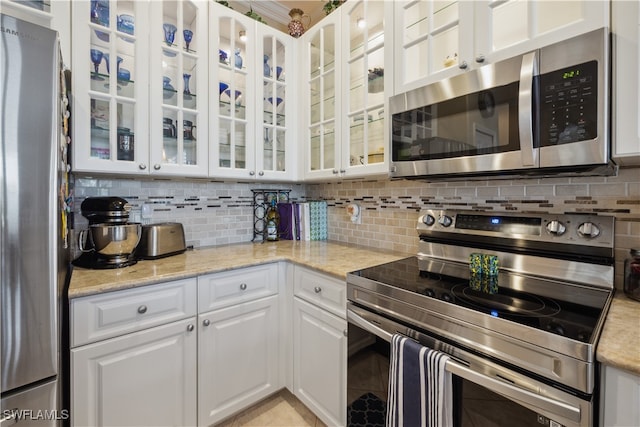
point(96, 58)
point(188, 36)
point(186, 78)
point(238, 94)
point(223, 87)
point(169, 33)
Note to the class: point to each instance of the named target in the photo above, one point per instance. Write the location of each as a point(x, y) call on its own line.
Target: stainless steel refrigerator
point(33, 259)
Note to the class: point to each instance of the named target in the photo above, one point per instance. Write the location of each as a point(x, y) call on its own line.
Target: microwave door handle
point(525, 107)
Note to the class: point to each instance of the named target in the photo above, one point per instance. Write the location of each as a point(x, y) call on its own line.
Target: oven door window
point(473, 404)
point(484, 122)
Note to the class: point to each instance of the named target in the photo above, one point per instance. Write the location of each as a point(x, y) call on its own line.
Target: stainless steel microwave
point(544, 112)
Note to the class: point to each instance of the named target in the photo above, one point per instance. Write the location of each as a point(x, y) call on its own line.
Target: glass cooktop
point(555, 315)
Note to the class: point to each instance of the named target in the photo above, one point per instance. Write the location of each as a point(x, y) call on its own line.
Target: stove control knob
point(446, 297)
point(430, 293)
point(588, 230)
point(556, 228)
point(428, 219)
point(445, 220)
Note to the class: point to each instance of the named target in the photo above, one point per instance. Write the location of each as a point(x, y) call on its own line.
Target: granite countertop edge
point(617, 347)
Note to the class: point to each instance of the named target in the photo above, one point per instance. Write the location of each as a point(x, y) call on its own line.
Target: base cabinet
point(620, 398)
point(319, 361)
point(237, 358)
point(139, 379)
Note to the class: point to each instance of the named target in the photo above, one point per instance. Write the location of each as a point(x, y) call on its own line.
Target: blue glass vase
point(238, 59)
point(267, 68)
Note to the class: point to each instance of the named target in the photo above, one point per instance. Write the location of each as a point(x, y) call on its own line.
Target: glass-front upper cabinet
point(110, 66)
point(505, 28)
point(368, 72)
point(232, 66)
point(320, 79)
point(434, 40)
point(179, 88)
point(275, 155)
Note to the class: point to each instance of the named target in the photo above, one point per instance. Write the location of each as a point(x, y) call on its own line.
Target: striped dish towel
point(420, 389)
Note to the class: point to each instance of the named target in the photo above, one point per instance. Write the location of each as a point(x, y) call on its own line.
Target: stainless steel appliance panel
point(594, 46)
point(33, 407)
point(29, 63)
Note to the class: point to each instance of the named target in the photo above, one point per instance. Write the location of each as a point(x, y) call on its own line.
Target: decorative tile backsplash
point(216, 213)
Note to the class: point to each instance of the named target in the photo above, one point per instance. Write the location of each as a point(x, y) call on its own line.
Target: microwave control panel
point(569, 104)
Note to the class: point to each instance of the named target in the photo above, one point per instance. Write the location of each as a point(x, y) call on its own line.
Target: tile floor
point(282, 409)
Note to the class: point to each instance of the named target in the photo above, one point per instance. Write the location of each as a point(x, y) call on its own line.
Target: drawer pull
point(190, 327)
point(243, 286)
point(206, 322)
point(142, 309)
point(317, 289)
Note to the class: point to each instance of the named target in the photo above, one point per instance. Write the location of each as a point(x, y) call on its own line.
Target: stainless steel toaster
point(161, 240)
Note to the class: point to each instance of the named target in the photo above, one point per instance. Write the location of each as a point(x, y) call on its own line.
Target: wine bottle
point(273, 221)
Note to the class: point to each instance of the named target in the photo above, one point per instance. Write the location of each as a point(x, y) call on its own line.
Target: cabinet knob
point(190, 327)
point(480, 58)
point(344, 332)
point(142, 309)
point(252, 173)
point(343, 170)
point(142, 166)
point(206, 322)
point(463, 65)
point(261, 173)
point(317, 289)
point(156, 166)
point(243, 286)
point(335, 171)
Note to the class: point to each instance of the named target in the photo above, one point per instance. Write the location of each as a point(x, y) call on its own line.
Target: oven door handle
point(511, 391)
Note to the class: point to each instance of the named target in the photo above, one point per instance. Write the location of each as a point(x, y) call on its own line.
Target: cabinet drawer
point(98, 317)
point(322, 290)
point(231, 287)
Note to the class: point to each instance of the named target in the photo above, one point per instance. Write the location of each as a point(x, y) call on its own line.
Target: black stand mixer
point(111, 240)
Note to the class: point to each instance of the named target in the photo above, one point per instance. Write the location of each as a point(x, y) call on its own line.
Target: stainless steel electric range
point(523, 341)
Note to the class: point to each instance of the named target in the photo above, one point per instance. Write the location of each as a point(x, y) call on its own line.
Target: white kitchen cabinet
point(179, 90)
point(239, 347)
point(139, 379)
point(320, 344)
point(110, 107)
point(129, 116)
point(320, 84)
point(347, 79)
point(620, 398)
point(320, 361)
point(238, 355)
point(438, 39)
point(368, 71)
point(252, 103)
point(54, 14)
point(133, 356)
point(625, 25)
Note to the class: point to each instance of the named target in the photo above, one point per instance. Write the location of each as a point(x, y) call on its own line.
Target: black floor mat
point(367, 411)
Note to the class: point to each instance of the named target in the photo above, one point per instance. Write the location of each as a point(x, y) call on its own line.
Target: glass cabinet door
point(232, 92)
point(179, 41)
point(110, 131)
point(364, 73)
point(272, 157)
point(432, 38)
point(320, 45)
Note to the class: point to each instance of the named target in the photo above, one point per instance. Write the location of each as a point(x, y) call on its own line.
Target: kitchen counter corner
point(620, 339)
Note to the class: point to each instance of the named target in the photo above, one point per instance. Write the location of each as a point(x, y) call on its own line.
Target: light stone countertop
point(331, 258)
point(619, 344)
